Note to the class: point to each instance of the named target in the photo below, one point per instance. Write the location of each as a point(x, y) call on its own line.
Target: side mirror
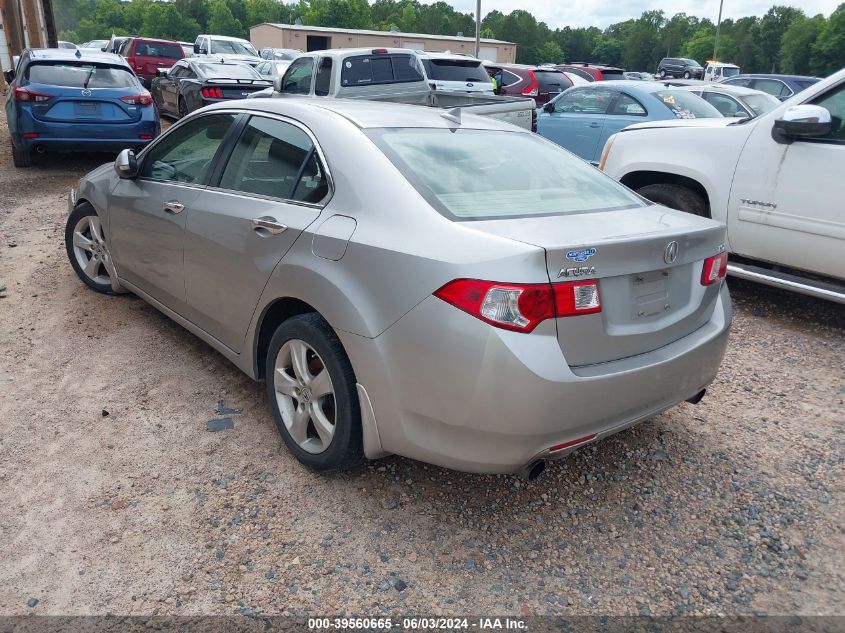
point(9, 76)
point(161, 72)
point(126, 165)
point(196, 48)
point(549, 107)
point(802, 121)
point(277, 83)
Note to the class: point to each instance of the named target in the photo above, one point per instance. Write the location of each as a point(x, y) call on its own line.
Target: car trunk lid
point(85, 106)
point(648, 266)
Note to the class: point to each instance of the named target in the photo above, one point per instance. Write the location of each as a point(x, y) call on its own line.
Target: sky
point(602, 13)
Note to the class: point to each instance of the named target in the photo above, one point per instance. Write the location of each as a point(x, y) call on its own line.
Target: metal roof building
point(316, 38)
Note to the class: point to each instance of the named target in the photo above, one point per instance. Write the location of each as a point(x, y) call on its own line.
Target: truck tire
point(676, 197)
point(21, 157)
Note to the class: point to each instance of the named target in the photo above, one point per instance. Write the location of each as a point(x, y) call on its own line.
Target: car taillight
point(142, 99)
point(212, 93)
point(31, 96)
point(533, 88)
point(715, 268)
point(520, 307)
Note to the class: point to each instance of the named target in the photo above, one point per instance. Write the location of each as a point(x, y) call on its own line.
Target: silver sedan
point(451, 289)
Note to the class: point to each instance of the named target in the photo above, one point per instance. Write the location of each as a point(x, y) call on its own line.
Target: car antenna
point(453, 115)
point(78, 54)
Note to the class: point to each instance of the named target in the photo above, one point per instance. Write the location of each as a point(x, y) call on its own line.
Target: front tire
point(88, 252)
point(662, 74)
point(21, 157)
point(312, 392)
point(183, 108)
point(676, 197)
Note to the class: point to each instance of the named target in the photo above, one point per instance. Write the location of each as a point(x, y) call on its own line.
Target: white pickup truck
point(777, 181)
point(393, 75)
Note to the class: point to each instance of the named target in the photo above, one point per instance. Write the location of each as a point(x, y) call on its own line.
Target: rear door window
point(586, 100)
point(772, 86)
point(186, 155)
point(276, 159)
point(626, 105)
point(80, 75)
point(372, 70)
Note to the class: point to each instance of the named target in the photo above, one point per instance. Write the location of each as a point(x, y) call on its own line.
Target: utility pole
point(477, 27)
point(718, 27)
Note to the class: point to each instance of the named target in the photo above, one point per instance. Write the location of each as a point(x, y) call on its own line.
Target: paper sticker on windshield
point(581, 255)
point(669, 100)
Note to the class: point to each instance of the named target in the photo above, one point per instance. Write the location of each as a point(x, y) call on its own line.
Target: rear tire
point(687, 75)
point(21, 157)
point(676, 197)
point(318, 419)
point(662, 74)
point(183, 108)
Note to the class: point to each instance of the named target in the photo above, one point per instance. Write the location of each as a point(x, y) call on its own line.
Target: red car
point(146, 55)
point(593, 72)
point(541, 83)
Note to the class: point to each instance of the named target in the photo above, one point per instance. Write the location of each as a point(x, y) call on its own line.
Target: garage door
point(488, 53)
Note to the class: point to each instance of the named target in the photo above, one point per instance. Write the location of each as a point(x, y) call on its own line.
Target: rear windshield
point(80, 75)
point(552, 80)
point(158, 49)
point(229, 47)
point(372, 70)
point(466, 175)
point(607, 75)
point(806, 83)
point(727, 71)
point(686, 105)
point(228, 71)
point(455, 70)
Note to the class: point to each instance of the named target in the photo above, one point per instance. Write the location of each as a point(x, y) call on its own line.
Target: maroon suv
point(146, 55)
point(541, 83)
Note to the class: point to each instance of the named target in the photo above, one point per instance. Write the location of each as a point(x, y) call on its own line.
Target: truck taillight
point(142, 99)
point(520, 307)
point(533, 88)
point(715, 268)
point(31, 96)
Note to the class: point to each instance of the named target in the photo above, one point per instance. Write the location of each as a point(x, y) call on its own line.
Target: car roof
point(777, 76)
point(591, 65)
point(728, 89)
point(75, 55)
point(629, 84)
point(367, 114)
point(228, 38)
point(344, 52)
point(444, 55)
point(155, 39)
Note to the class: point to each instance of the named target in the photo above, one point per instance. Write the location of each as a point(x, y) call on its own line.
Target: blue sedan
point(582, 118)
point(76, 100)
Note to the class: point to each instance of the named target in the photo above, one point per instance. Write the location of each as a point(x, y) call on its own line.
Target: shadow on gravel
point(786, 307)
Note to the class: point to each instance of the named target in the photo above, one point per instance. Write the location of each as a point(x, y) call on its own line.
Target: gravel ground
point(117, 499)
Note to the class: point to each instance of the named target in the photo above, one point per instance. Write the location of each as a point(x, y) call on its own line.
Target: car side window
point(585, 101)
point(742, 81)
point(297, 79)
point(626, 105)
point(322, 83)
point(185, 155)
point(834, 102)
point(276, 159)
point(773, 87)
point(726, 105)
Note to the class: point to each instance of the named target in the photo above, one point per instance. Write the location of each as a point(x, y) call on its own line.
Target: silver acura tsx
point(444, 287)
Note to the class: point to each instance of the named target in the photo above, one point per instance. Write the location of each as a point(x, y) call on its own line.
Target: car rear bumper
point(72, 137)
point(450, 390)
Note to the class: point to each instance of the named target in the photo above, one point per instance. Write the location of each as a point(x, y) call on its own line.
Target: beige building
point(317, 38)
point(24, 24)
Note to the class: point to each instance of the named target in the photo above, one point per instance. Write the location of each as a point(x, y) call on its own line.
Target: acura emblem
point(671, 252)
point(86, 93)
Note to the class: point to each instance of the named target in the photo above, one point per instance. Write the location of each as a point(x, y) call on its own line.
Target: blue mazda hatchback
point(71, 100)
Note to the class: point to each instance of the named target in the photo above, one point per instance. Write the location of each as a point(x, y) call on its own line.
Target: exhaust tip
point(697, 397)
point(40, 149)
point(535, 470)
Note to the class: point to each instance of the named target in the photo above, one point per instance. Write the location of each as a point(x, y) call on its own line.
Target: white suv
point(230, 49)
point(455, 73)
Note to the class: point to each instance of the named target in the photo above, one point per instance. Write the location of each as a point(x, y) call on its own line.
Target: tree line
point(785, 39)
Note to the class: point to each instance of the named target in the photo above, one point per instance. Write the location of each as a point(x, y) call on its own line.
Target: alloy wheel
point(305, 396)
point(91, 251)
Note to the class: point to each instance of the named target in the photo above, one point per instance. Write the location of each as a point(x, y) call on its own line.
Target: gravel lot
point(115, 498)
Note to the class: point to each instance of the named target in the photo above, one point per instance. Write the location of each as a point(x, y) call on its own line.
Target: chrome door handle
point(174, 207)
point(268, 224)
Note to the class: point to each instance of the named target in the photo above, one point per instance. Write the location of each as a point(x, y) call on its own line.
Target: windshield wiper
point(88, 78)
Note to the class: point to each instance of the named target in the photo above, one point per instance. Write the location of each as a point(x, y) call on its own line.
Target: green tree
point(221, 21)
point(550, 53)
point(797, 44)
point(700, 46)
point(828, 54)
point(607, 51)
point(773, 25)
